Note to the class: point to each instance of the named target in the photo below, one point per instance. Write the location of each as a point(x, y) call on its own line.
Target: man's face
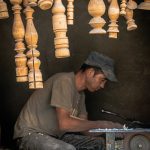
point(95, 82)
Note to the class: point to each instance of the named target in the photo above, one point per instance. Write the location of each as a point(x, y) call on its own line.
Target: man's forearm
point(78, 125)
point(70, 124)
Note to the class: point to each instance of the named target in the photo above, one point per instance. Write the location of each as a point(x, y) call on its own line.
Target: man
point(59, 108)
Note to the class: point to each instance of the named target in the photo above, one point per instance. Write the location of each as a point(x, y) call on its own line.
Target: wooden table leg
point(110, 141)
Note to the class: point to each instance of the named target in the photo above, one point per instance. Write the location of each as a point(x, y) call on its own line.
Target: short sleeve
point(62, 94)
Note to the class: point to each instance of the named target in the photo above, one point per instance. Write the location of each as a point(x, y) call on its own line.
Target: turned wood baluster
point(32, 3)
point(70, 12)
point(96, 9)
point(144, 5)
point(18, 34)
point(132, 4)
point(113, 13)
point(123, 6)
point(31, 37)
point(60, 28)
point(130, 21)
point(3, 10)
point(45, 4)
point(25, 3)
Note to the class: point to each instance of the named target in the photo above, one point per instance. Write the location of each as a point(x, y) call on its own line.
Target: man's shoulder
point(63, 76)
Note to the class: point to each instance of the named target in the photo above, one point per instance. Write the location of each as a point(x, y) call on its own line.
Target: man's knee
point(57, 146)
point(70, 147)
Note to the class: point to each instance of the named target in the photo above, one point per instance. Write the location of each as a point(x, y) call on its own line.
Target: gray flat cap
point(103, 62)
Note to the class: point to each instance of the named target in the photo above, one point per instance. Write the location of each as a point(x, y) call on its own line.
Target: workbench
point(111, 138)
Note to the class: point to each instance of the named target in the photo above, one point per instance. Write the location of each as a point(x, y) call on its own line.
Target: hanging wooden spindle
point(25, 3)
point(18, 34)
point(31, 37)
point(70, 12)
point(32, 3)
point(130, 21)
point(96, 9)
point(60, 28)
point(3, 10)
point(45, 4)
point(113, 13)
point(132, 4)
point(144, 5)
point(123, 7)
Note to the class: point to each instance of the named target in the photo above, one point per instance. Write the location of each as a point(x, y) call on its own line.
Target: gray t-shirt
point(39, 113)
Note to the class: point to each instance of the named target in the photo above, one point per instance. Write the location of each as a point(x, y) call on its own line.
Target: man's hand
point(109, 125)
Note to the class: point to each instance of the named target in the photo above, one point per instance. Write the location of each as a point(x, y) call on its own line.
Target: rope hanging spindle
point(3, 10)
point(113, 13)
point(70, 12)
point(31, 38)
point(60, 29)
point(18, 32)
point(96, 9)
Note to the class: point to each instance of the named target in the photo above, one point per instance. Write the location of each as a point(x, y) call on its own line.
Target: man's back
point(38, 114)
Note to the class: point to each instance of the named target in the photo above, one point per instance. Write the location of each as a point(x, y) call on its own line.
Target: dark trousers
point(81, 142)
point(39, 141)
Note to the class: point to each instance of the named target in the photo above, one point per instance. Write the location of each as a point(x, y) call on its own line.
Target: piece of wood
point(18, 32)
point(132, 4)
point(60, 29)
point(32, 3)
point(25, 3)
point(130, 21)
point(70, 12)
point(110, 141)
point(31, 38)
point(45, 4)
point(96, 9)
point(123, 7)
point(3, 10)
point(144, 5)
point(113, 13)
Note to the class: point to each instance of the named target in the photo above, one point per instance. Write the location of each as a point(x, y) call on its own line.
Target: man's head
point(97, 69)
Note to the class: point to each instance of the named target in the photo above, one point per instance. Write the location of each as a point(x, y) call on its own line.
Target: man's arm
point(69, 124)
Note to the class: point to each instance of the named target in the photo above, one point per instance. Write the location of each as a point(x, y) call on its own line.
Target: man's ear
point(90, 72)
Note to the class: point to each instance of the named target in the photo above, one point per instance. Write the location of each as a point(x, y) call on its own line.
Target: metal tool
point(112, 113)
point(130, 123)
